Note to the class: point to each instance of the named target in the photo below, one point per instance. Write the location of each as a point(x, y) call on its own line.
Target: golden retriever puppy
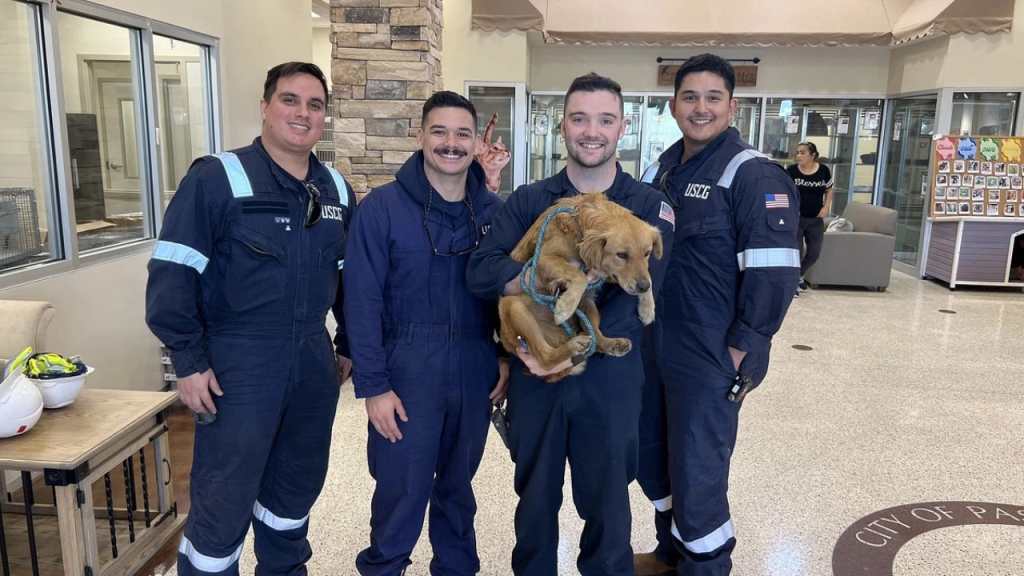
point(614, 245)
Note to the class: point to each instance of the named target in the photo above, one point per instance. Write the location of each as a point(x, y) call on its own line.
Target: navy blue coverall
point(239, 284)
point(733, 273)
point(418, 331)
point(591, 419)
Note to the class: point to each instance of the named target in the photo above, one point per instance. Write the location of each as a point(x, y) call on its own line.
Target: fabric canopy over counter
point(743, 22)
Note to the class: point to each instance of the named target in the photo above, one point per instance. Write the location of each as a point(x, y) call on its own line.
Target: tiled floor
point(896, 404)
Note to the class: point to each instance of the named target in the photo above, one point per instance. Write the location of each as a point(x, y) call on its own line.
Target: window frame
point(57, 174)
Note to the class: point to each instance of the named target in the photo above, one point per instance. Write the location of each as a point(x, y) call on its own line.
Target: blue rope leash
point(550, 301)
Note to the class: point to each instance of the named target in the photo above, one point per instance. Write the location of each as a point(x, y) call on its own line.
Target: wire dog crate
point(19, 226)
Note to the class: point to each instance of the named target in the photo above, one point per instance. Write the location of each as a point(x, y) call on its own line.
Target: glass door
point(907, 154)
point(500, 100)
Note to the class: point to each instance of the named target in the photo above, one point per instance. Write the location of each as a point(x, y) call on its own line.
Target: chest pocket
point(330, 261)
point(257, 271)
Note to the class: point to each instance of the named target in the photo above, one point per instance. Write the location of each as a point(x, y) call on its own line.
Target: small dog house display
point(977, 223)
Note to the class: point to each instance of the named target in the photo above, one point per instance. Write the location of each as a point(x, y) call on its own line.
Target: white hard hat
point(21, 405)
point(60, 392)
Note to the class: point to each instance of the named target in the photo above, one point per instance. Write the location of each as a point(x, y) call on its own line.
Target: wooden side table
point(73, 447)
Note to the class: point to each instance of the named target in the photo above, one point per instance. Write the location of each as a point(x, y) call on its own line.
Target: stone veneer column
point(386, 61)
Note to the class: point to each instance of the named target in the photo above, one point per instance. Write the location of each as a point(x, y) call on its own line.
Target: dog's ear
point(592, 248)
point(658, 247)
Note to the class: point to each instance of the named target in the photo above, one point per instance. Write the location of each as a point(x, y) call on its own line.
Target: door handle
point(74, 173)
point(113, 165)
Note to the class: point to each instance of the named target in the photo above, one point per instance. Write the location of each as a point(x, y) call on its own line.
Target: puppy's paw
point(618, 347)
point(579, 344)
point(564, 310)
point(646, 310)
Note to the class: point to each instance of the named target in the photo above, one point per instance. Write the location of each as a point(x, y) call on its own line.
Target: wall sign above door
point(746, 76)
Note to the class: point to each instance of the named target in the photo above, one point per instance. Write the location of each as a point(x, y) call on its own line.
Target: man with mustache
point(241, 279)
point(734, 270)
point(590, 419)
point(423, 346)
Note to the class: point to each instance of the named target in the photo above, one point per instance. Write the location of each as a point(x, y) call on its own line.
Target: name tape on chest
point(332, 212)
point(776, 201)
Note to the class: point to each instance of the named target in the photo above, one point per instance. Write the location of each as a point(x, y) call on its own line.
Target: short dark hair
point(594, 83)
point(708, 63)
point(811, 147)
point(448, 99)
point(289, 69)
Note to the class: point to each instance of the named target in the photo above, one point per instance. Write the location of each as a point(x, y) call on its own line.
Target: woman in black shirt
point(814, 182)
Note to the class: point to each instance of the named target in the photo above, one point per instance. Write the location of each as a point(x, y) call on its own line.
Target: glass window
point(28, 230)
point(489, 100)
point(662, 131)
point(107, 162)
point(846, 133)
point(182, 90)
point(984, 114)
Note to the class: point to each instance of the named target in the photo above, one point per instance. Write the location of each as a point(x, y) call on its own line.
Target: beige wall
point(782, 70)
point(476, 55)
point(100, 310)
point(918, 66)
point(322, 50)
point(988, 61)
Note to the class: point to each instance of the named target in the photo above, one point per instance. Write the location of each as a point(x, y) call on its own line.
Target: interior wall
point(322, 50)
point(781, 70)
point(918, 66)
point(101, 309)
point(992, 61)
point(468, 54)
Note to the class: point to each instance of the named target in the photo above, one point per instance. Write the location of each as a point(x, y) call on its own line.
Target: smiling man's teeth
point(589, 145)
point(299, 126)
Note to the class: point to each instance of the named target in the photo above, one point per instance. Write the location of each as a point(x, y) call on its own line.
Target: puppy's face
point(620, 254)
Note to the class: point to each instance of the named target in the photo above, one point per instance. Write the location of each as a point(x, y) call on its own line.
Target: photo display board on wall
point(977, 176)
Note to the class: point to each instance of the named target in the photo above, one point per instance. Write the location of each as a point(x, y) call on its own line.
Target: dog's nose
point(643, 286)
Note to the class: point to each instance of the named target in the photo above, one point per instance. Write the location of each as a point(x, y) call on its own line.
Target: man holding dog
point(590, 419)
point(425, 357)
point(734, 270)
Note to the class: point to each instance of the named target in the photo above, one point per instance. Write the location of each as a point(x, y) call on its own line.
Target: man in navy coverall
point(591, 419)
point(423, 346)
point(733, 273)
point(240, 282)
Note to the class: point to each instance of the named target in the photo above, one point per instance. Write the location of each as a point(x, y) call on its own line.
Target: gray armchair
point(859, 258)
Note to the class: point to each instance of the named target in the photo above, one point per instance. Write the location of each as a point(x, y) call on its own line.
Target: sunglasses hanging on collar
point(468, 201)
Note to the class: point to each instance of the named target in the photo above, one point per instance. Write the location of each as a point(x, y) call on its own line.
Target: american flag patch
point(776, 201)
point(667, 214)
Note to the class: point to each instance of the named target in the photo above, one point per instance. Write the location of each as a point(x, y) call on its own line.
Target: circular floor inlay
point(870, 545)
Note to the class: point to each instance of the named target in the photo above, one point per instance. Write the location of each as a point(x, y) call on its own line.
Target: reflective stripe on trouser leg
point(708, 544)
point(276, 522)
point(209, 564)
